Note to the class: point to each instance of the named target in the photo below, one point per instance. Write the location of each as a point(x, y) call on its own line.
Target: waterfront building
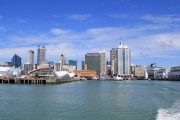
point(152, 69)
point(113, 54)
point(162, 73)
point(6, 64)
point(27, 68)
point(138, 71)
point(85, 73)
point(31, 57)
point(16, 61)
point(10, 72)
point(41, 55)
point(174, 73)
point(123, 61)
point(92, 60)
point(73, 62)
point(69, 68)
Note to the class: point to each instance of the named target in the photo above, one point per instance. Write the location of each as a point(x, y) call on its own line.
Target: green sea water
point(91, 100)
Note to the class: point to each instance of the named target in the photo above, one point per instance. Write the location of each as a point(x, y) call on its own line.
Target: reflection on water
point(91, 100)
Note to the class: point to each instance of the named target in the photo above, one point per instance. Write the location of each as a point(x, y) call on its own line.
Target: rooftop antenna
point(120, 40)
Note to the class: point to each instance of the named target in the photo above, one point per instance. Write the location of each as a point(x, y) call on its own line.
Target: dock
point(33, 81)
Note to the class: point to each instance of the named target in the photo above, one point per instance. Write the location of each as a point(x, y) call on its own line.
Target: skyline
point(149, 28)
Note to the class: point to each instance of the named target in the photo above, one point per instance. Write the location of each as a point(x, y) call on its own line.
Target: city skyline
point(149, 28)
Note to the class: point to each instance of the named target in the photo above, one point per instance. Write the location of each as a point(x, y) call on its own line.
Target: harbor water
point(92, 100)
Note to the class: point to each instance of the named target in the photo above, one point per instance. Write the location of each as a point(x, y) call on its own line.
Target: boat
point(117, 78)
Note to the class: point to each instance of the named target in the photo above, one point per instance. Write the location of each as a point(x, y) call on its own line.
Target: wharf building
point(138, 71)
point(174, 73)
point(152, 69)
point(41, 55)
point(16, 61)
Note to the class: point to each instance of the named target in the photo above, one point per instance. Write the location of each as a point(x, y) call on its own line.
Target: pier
point(33, 81)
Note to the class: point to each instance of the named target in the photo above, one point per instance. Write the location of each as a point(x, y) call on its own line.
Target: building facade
point(113, 54)
point(92, 60)
point(73, 62)
point(41, 55)
point(27, 68)
point(83, 63)
point(31, 57)
point(16, 61)
point(102, 62)
point(123, 60)
point(85, 73)
point(63, 59)
point(138, 72)
point(57, 66)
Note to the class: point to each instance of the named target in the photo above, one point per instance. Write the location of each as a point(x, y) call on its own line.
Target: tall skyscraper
point(31, 57)
point(41, 55)
point(96, 61)
point(83, 63)
point(102, 62)
point(92, 60)
point(16, 61)
point(63, 59)
point(113, 54)
point(123, 60)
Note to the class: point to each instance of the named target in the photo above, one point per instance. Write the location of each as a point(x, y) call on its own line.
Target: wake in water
point(172, 113)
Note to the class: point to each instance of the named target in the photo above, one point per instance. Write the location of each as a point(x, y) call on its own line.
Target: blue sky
point(151, 29)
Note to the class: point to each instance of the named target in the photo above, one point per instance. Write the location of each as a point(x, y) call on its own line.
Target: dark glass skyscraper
point(16, 61)
point(92, 60)
point(73, 62)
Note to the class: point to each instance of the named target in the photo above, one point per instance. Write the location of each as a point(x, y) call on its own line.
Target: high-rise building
point(102, 62)
point(123, 60)
point(83, 63)
point(63, 59)
point(113, 54)
point(57, 66)
point(97, 62)
point(27, 68)
point(31, 57)
point(73, 62)
point(92, 60)
point(16, 61)
point(41, 55)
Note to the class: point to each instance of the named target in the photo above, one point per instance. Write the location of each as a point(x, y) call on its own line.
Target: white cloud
point(76, 44)
point(79, 16)
point(57, 31)
point(21, 20)
point(161, 18)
